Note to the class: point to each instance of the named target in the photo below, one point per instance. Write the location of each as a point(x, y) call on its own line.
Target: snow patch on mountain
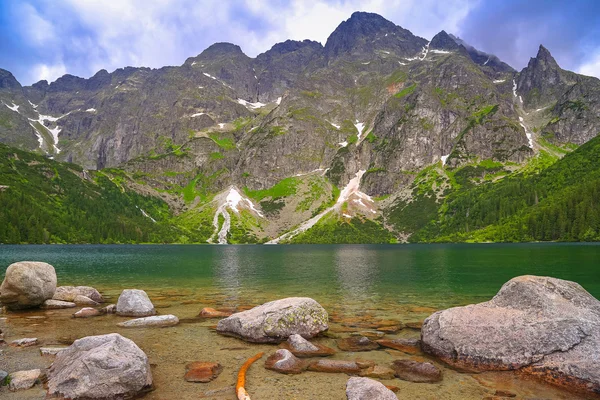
point(249, 105)
point(197, 115)
point(235, 202)
point(527, 132)
point(14, 107)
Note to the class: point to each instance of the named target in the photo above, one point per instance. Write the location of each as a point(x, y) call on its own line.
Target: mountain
point(374, 132)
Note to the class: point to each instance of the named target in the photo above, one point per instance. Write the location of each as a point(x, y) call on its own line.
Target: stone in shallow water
point(285, 362)
point(57, 304)
point(155, 321)
point(109, 309)
point(69, 293)
point(25, 342)
point(357, 343)
point(208, 312)
point(367, 389)
point(415, 371)
point(379, 372)
point(275, 321)
point(3, 376)
point(86, 313)
point(83, 300)
point(134, 303)
point(23, 380)
point(202, 371)
point(27, 284)
point(411, 346)
point(301, 347)
point(544, 326)
point(343, 366)
point(100, 367)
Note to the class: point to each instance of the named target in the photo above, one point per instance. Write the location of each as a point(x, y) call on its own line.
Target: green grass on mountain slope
point(562, 202)
point(332, 229)
point(43, 201)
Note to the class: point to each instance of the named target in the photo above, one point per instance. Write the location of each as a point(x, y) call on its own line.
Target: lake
point(353, 282)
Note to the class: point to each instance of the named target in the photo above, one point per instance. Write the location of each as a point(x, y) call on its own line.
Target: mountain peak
point(443, 41)
point(544, 55)
point(222, 48)
point(7, 80)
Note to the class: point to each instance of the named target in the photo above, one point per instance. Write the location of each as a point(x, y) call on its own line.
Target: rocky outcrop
point(70, 293)
point(154, 321)
point(285, 362)
point(367, 389)
point(100, 367)
point(275, 321)
point(134, 303)
point(27, 284)
point(544, 326)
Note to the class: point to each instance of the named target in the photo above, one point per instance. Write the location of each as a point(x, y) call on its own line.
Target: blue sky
point(44, 39)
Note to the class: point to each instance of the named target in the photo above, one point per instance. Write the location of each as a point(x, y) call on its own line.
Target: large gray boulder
point(101, 368)
point(134, 303)
point(27, 284)
point(275, 321)
point(543, 326)
point(367, 389)
point(70, 293)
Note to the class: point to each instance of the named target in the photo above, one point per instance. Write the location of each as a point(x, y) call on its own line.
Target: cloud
point(591, 67)
point(47, 72)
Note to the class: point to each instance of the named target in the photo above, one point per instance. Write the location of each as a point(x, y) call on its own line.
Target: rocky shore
point(542, 327)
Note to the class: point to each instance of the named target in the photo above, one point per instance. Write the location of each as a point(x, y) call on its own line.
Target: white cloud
point(37, 30)
point(47, 72)
point(591, 67)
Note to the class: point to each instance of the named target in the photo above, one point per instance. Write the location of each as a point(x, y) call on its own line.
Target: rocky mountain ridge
point(289, 130)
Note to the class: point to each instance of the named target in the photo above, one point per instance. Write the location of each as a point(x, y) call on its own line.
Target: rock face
point(100, 367)
point(275, 321)
point(134, 303)
point(285, 362)
point(23, 380)
point(367, 389)
point(201, 371)
point(27, 284)
point(545, 326)
point(155, 321)
point(69, 293)
point(415, 371)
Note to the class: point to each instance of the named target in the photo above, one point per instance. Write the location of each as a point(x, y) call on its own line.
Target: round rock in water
point(544, 326)
point(367, 389)
point(27, 284)
point(275, 321)
point(134, 303)
point(69, 293)
point(101, 368)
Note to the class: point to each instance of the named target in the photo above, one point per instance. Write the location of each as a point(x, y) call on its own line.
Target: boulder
point(87, 312)
point(415, 371)
point(57, 304)
point(202, 371)
point(69, 293)
point(367, 389)
point(155, 321)
point(27, 284)
point(23, 380)
point(357, 343)
point(285, 362)
point(301, 347)
point(275, 321)
point(544, 326)
point(100, 367)
point(84, 301)
point(134, 303)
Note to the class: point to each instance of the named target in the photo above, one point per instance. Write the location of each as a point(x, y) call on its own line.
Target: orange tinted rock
point(337, 366)
point(208, 312)
point(411, 346)
point(393, 388)
point(202, 371)
point(414, 325)
point(357, 343)
point(414, 371)
point(379, 372)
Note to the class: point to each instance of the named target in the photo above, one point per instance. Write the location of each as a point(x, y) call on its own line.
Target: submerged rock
point(134, 303)
point(275, 321)
point(23, 380)
point(84, 300)
point(411, 346)
point(208, 312)
point(285, 362)
point(343, 366)
point(69, 293)
point(27, 284)
point(415, 371)
point(357, 343)
point(367, 389)
point(379, 372)
point(57, 304)
point(547, 327)
point(100, 367)
point(25, 342)
point(87, 312)
point(301, 347)
point(202, 371)
point(155, 321)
